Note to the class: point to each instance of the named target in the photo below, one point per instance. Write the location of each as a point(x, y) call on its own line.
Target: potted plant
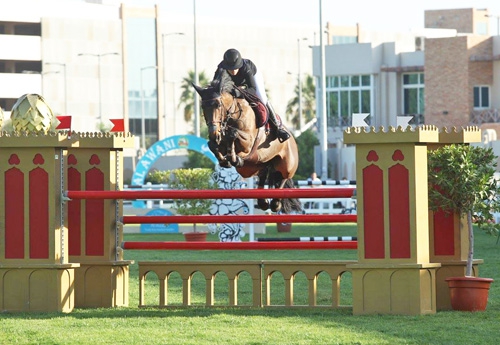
point(461, 181)
point(200, 178)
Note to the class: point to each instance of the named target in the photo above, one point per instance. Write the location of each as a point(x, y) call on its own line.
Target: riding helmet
point(232, 60)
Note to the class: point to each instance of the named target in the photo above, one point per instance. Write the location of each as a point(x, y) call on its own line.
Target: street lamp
point(98, 76)
point(498, 21)
point(163, 36)
point(301, 120)
point(63, 65)
point(196, 81)
point(143, 121)
point(322, 98)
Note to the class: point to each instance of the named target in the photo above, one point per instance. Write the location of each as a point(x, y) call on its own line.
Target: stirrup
point(282, 135)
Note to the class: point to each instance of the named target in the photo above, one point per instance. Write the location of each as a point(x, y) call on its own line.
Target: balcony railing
point(478, 117)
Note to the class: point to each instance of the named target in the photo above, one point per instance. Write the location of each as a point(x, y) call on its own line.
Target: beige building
point(447, 74)
point(101, 60)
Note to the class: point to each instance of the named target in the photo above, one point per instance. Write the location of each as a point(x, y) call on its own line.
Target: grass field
point(199, 325)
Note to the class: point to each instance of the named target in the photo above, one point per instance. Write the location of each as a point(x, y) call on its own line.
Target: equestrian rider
point(244, 73)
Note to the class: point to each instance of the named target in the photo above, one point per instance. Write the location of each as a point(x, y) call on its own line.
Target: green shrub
point(461, 180)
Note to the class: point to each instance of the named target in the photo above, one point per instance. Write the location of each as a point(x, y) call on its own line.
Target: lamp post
point(163, 36)
point(299, 99)
point(63, 65)
point(143, 121)
point(98, 76)
point(196, 81)
point(322, 97)
point(301, 119)
point(498, 21)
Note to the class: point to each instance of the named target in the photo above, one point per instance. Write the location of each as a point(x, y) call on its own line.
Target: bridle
point(226, 114)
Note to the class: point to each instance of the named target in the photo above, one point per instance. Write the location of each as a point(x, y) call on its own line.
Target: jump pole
point(206, 219)
point(240, 245)
point(213, 194)
point(308, 239)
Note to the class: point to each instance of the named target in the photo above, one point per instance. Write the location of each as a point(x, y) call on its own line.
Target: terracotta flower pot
point(284, 227)
point(195, 236)
point(469, 293)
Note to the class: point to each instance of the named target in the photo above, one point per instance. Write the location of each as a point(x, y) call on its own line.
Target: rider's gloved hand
point(237, 93)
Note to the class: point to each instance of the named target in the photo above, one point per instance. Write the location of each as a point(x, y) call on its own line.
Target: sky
point(383, 15)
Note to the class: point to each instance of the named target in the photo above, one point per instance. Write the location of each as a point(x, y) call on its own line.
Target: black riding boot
point(281, 133)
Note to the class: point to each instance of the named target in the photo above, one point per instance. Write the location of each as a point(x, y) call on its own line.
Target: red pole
point(269, 218)
point(239, 245)
point(215, 194)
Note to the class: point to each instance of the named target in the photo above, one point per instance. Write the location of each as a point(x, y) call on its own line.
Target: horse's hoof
point(238, 163)
point(225, 164)
point(263, 204)
point(275, 205)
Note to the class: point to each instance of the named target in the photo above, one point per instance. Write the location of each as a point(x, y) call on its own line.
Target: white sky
point(393, 15)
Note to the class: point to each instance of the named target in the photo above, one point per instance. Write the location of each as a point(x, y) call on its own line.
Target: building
point(447, 74)
point(101, 60)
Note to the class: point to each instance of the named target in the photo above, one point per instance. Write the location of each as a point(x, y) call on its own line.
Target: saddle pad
point(259, 108)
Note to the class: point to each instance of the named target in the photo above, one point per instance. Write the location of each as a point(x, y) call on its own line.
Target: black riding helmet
point(232, 60)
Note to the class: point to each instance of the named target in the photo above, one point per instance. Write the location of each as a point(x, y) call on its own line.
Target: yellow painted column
point(35, 271)
point(394, 274)
point(95, 162)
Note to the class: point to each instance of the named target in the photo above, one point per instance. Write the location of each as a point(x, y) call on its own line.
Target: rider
point(243, 72)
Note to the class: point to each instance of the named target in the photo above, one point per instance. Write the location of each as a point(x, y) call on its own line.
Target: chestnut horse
point(236, 140)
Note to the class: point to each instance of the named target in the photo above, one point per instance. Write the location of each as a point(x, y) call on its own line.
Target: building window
point(481, 97)
point(142, 77)
point(413, 94)
point(482, 29)
point(347, 95)
point(344, 39)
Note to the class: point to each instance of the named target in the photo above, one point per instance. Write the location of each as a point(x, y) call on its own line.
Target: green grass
point(199, 325)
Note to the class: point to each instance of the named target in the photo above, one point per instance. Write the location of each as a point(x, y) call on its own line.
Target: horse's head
point(216, 104)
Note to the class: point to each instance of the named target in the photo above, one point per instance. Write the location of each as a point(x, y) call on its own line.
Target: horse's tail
point(290, 206)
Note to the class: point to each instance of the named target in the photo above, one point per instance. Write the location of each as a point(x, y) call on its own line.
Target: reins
point(226, 112)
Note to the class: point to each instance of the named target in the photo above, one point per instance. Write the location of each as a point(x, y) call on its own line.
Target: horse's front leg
point(233, 157)
point(236, 160)
point(223, 162)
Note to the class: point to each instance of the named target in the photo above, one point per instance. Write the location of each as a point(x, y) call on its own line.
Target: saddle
point(259, 108)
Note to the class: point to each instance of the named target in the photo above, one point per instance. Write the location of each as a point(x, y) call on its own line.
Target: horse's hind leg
point(289, 205)
point(278, 182)
point(262, 203)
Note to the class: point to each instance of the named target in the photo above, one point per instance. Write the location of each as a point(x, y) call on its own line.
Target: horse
point(236, 140)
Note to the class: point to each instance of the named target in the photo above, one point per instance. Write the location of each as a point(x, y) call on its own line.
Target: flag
point(64, 122)
point(119, 125)
point(358, 120)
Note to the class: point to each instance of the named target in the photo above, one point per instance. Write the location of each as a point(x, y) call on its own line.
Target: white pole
point(323, 123)
point(299, 80)
point(143, 120)
point(251, 210)
point(196, 81)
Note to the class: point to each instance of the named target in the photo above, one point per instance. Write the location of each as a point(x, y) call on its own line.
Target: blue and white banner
point(161, 147)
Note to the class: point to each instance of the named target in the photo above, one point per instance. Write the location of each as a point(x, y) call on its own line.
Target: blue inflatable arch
point(161, 147)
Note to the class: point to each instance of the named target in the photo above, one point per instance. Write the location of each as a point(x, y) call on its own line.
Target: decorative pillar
point(95, 162)
point(35, 273)
point(449, 238)
point(394, 274)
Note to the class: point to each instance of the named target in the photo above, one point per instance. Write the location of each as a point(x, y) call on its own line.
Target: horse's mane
point(224, 82)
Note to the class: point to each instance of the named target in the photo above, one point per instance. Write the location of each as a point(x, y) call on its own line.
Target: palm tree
point(308, 102)
point(187, 95)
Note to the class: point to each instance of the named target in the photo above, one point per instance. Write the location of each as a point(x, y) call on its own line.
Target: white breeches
point(261, 90)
